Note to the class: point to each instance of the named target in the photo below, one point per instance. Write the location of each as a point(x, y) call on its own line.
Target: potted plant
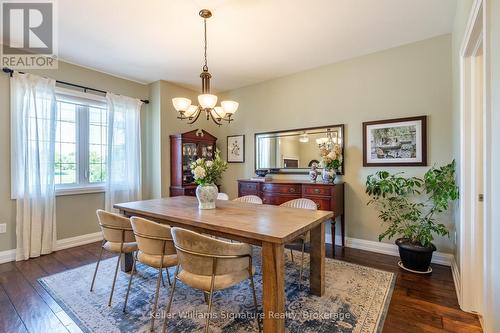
point(410, 206)
point(206, 174)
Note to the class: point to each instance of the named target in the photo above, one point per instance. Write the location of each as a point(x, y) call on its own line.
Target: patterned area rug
point(356, 300)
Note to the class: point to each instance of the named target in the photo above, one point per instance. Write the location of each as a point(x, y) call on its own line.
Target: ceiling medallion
point(207, 101)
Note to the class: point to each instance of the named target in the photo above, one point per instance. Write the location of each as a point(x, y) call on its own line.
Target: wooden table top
point(259, 222)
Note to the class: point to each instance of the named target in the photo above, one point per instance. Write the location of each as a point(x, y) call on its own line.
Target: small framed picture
point(236, 149)
point(395, 142)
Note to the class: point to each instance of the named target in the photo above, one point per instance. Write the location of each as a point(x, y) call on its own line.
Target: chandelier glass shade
point(207, 101)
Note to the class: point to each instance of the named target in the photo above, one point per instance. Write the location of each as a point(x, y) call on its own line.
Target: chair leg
point(205, 296)
point(255, 302)
point(168, 276)
point(302, 263)
point(291, 253)
point(130, 282)
point(169, 305)
point(153, 310)
point(114, 279)
point(210, 296)
point(162, 281)
point(96, 267)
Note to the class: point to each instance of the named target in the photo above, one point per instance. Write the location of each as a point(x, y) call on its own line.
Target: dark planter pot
point(414, 256)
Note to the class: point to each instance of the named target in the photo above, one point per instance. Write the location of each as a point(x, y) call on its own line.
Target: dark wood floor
point(419, 303)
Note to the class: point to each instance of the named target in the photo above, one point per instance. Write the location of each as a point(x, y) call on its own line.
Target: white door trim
point(471, 244)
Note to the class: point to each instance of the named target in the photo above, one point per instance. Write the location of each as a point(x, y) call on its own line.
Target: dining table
point(267, 226)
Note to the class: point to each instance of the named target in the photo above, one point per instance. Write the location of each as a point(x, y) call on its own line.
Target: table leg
point(342, 225)
point(333, 221)
point(317, 262)
point(273, 290)
point(126, 262)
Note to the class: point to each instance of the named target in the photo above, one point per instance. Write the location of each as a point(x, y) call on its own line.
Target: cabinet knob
point(291, 189)
point(316, 190)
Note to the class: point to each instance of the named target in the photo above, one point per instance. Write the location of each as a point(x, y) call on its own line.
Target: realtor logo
point(28, 34)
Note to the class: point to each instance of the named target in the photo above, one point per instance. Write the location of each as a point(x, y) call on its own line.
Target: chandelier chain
point(205, 67)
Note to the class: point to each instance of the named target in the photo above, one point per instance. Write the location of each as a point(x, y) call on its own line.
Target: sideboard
point(326, 196)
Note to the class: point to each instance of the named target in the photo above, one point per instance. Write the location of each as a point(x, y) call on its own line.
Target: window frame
point(83, 185)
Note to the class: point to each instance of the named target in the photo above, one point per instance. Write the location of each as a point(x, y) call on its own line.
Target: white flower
point(209, 164)
point(199, 172)
point(199, 161)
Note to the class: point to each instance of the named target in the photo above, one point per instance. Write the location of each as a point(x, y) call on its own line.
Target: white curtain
point(123, 182)
point(33, 124)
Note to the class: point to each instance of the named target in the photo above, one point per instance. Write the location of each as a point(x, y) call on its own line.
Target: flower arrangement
point(208, 172)
point(331, 159)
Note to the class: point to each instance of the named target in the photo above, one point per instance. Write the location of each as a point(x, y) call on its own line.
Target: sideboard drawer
point(270, 199)
point(321, 203)
point(247, 188)
point(316, 190)
point(281, 188)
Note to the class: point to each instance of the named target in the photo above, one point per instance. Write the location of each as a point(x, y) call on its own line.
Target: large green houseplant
point(410, 206)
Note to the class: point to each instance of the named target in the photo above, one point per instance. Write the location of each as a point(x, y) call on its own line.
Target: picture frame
point(235, 148)
point(395, 142)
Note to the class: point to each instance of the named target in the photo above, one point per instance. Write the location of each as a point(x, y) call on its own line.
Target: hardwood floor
point(419, 303)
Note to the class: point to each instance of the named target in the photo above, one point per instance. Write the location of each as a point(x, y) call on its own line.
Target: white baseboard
point(386, 248)
point(61, 244)
point(67, 243)
point(7, 256)
point(455, 271)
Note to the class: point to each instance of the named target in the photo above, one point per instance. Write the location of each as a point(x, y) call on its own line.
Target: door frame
point(472, 244)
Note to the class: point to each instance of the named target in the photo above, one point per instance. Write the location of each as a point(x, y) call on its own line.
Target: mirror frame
point(298, 171)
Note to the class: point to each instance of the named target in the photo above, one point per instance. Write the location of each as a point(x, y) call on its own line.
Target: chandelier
point(207, 101)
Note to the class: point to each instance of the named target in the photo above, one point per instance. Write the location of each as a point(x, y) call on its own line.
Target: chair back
point(114, 227)
point(203, 255)
point(222, 196)
point(300, 203)
point(153, 238)
point(249, 199)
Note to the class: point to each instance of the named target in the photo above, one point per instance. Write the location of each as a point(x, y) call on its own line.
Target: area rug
point(356, 300)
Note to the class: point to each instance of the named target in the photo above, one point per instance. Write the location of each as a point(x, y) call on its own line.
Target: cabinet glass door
point(189, 155)
point(206, 151)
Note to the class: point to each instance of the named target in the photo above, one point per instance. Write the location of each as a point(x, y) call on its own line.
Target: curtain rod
point(11, 71)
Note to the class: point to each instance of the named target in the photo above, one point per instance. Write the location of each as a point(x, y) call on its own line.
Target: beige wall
point(75, 213)
point(410, 80)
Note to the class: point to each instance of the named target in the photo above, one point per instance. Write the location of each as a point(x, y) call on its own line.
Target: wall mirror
point(294, 151)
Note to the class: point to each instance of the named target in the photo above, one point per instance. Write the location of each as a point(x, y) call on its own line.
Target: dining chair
point(118, 237)
point(302, 239)
point(155, 249)
point(249, 199)
point(209, 265)
point(222, 196)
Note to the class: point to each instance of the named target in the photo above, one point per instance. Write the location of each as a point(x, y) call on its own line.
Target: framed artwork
point(236, 149)
point(395, 142)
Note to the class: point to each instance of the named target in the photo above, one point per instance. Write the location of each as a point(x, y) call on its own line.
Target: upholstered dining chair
point(209, 265)
point(304, 204)
point(249, 199)
point(118, 237)
point(156, 249)
point(222, 196)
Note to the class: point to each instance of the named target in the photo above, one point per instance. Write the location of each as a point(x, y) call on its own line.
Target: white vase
point(328, 176)
point(207, 196)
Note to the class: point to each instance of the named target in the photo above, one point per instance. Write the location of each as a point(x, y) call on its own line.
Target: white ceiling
point(249, 40)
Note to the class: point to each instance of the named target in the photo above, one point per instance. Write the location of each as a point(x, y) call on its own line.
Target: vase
point(328, 176)
point(207, 196)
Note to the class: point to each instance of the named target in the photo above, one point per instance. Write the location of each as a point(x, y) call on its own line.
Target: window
point(81, 136)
